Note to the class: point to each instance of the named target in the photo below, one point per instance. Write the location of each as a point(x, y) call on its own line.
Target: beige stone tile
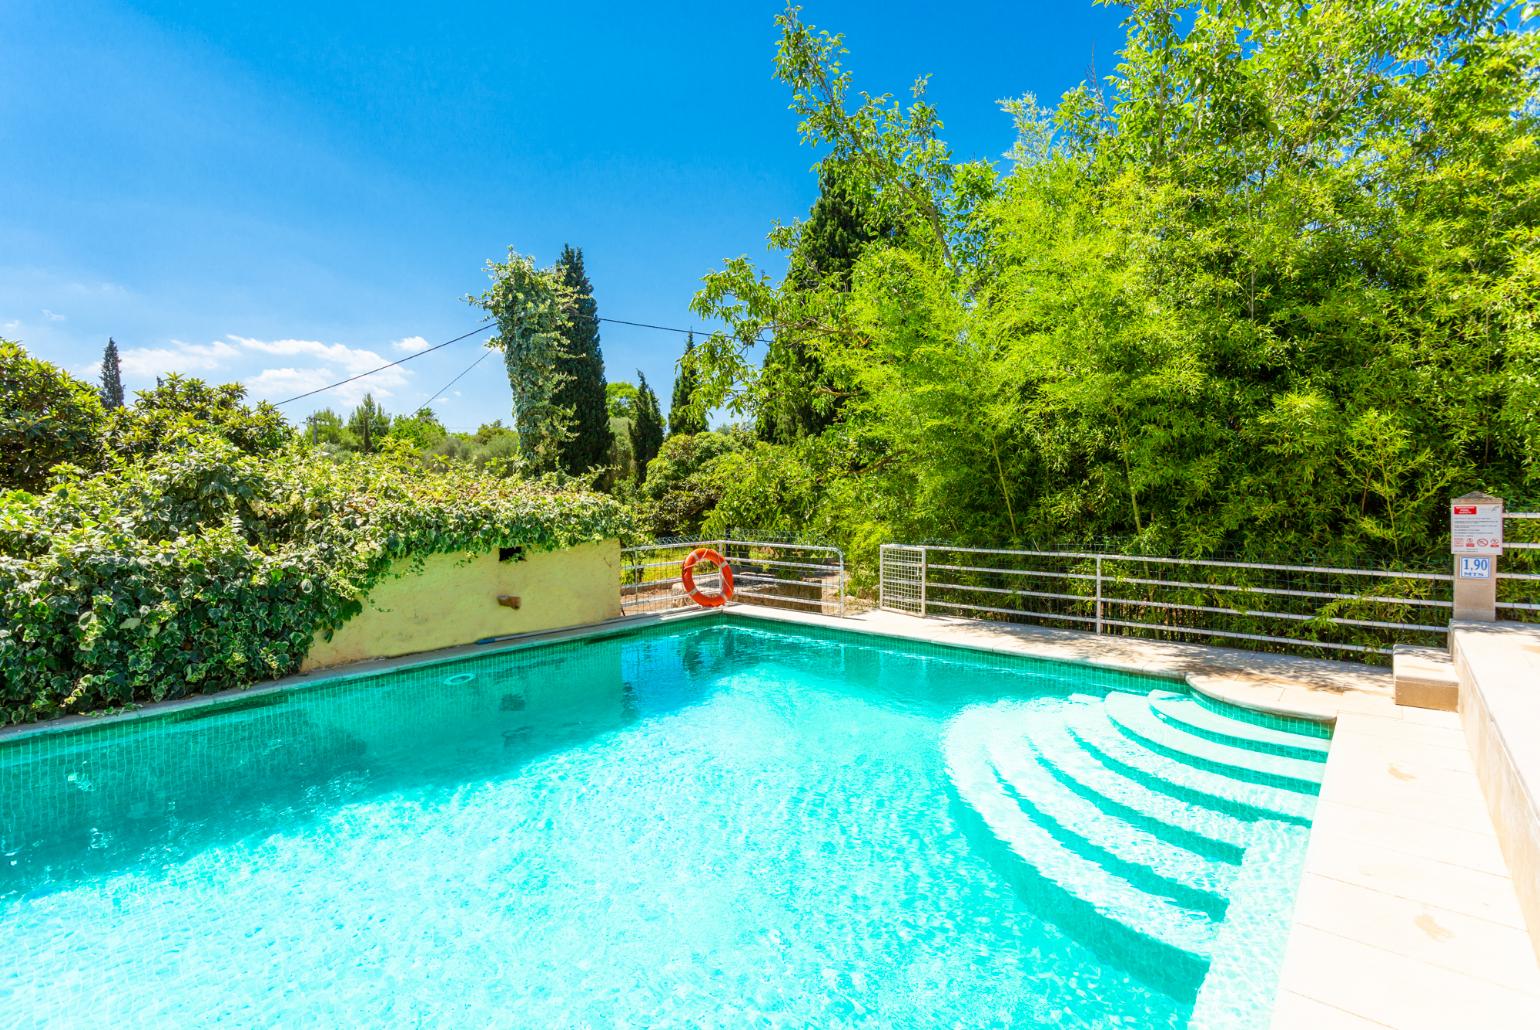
point(1418, 756)
point(1400, 729)
point(1450, 940)
point(1431, 717)
point(1471, 891)
point(1297, 1012)
point(1410, 835)
point(1354, 701)
point(1463, 815)
point(1396, 990)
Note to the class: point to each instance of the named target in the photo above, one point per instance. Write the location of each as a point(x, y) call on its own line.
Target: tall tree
point(112, 377)
point(531, 306)
point(581, 392)
point(369, 424)
point(682, 416)
point(800, 396)
point(646, 427)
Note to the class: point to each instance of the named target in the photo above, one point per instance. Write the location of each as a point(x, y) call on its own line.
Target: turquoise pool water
point(722, 824)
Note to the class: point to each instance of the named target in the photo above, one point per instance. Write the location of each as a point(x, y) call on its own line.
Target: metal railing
point(1518, 590)
point(777, 574)
point(1272, 606)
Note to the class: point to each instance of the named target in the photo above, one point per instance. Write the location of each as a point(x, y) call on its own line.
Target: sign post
point(1476, 541)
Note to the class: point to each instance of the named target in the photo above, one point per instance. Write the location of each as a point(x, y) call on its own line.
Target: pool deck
point(1407, 915)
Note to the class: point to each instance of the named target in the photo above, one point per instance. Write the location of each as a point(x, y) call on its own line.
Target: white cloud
point(278, 384)
point(52, 316)
point(411, 345)
point(309, 365)
point(149, 362)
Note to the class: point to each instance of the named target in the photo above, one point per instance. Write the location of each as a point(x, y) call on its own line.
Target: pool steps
point(1131, 819)
point(1135, 716)
point(1183, 713)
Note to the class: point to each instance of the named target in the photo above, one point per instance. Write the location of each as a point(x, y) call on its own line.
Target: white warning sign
point(1476, 528)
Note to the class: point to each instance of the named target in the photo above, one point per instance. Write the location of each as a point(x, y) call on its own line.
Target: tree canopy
point(684, 416)
point(112, 377)
point(1269, 289)
point(647, 428)
point(581, 369)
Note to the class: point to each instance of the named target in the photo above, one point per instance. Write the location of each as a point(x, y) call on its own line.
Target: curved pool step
point(1135, 716)
point(1126, 755)
point(1187, 713)
point(1152, 864)
point(1149, 930)
point(1200, 828)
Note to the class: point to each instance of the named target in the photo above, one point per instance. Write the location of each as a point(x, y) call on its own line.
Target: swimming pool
point(718, 822)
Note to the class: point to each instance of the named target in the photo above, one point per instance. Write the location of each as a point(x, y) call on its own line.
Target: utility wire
point(410, 357)
point(445, 388)
point(488, 324)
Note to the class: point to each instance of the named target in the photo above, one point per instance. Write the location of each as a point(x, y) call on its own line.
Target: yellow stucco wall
point(452, 600)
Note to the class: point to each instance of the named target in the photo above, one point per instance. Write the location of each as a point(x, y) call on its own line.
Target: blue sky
point(285, 194)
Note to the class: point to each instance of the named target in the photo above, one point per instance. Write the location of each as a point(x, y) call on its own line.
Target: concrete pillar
point(1476, 541)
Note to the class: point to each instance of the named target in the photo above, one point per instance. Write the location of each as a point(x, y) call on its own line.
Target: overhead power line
point(410, 357)
point(474, 332)
point(445, 388)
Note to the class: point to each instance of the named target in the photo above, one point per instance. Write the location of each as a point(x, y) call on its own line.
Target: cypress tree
point(112, 377)
point(646, 427)
point(837, 230)
point(681, 419)
point(582, 390)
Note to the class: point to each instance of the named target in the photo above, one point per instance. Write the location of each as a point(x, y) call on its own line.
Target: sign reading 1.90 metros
point(1475, 567)
point(1476, 527)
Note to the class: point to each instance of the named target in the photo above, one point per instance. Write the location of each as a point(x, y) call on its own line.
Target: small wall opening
point(510, 554)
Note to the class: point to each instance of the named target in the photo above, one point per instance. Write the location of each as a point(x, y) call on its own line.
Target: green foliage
point(46, 417)
point(179, 407)
point(683, 485)
point(421, 431)
point(493, 449)
point(646, 427)
point(325, 428)
point(112, 377)
point(581, 367)
point(622, 457)
point(369, 425)
point(532, 307)
point(684, 416)
point(205, 567)
point(620, 399)
point(1269, 291)
point(798, 396)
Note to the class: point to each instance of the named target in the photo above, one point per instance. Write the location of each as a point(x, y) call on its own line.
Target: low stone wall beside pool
point(452, 599)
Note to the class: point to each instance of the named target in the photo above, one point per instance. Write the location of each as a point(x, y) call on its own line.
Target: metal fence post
point(924, 574)
point(882, 576)
point(840, 583)
point(1098, 593)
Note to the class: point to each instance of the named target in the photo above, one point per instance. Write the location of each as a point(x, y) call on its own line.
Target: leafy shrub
point(46, 417)
point(205, 567)
point(422, 430)
point(180, 406)
point(681, 486)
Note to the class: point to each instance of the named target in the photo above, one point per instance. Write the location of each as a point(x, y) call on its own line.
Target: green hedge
point(206, 567)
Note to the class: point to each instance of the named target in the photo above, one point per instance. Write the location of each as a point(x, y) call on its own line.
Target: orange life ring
point(687, 577)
